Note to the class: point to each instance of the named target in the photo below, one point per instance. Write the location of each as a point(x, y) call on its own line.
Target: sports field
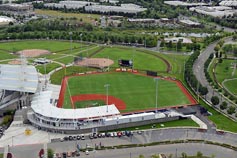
point(140, 60)
point(225, 70)
point(138, 92)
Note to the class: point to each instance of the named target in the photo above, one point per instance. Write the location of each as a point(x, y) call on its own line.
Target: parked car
point(69, 154)
point(87, 152)
point(66, 138)
point(82, 137)
point(78, 137)
point(119, 134)
point(70, 137)
point(91, 136)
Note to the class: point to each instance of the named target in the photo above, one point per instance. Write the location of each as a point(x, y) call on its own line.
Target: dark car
point(78, 137)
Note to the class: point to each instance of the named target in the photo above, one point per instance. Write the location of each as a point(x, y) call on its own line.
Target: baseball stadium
point(82, 87)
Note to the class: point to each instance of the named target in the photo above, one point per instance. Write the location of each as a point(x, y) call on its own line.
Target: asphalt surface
point(190, 149)
point(198, 69)
point(31, 151)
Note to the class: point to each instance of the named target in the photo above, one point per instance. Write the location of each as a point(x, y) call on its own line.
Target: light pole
point(156, 80)
point(70, 33)
point(107, 95)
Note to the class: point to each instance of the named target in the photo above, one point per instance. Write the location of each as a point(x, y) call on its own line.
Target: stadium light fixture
point(70, 33)
point(156, 80)
point(107, 95)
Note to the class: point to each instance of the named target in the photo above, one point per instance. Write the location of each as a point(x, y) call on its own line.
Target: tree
point(179, 45)
point(184, 155)
point(203, 90)
point(50, 153)
point(199, 154)
point(215, 100)
point(217, 48)
point(223, 105)
point(231, 110)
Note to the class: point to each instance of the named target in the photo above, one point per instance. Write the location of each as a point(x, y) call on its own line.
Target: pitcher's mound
point(33, 52)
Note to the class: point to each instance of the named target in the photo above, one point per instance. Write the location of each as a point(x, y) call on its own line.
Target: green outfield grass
point(138, 92)
point(141, 60)
point(224, 71)
point(89, 103)
point(57, 77)
point(52, 46)
point(48, 67)
point(231, 86)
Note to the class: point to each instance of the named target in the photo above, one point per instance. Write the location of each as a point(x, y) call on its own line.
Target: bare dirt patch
point(95, 62)
point(33, 52)
point(15, 62)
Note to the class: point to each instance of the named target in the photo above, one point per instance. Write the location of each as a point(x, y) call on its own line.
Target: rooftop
point(18, 78)
point(42, 105)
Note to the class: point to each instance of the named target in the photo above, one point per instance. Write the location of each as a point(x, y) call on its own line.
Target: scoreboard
point(125, 63)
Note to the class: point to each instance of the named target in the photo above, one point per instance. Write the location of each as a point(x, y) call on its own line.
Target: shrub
point(215, 100)
point(223, 105)
point(231, 110)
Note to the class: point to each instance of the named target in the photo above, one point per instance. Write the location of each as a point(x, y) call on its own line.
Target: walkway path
point(198, 69)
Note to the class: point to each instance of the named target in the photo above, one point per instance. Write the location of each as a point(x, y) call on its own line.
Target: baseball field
point(128, 91)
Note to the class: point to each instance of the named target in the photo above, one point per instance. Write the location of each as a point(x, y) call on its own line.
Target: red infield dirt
point(113, 100)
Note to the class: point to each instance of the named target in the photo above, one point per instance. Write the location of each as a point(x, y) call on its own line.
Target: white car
point(87, 152)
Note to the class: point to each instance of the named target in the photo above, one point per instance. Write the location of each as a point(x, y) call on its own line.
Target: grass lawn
point(59, 14)
point(222, 122)
point(52, 46)
point(141, 60)
point(89, 103)
point(176, 123)
point(57, 77)
point(6, 55)
point(138, 92)
point(224, 70)
point(49, 67)
point(230, 86)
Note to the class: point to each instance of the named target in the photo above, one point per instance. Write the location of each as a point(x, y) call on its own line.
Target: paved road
point(198, 69)
point(31, 151)
point(190, 149)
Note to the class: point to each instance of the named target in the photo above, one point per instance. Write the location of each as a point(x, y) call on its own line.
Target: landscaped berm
point(128, 91)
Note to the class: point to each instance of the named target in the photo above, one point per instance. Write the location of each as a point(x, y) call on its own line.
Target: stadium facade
point(21, 87)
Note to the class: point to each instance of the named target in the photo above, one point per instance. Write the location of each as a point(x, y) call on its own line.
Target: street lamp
point(107, 94)
point(156, 80)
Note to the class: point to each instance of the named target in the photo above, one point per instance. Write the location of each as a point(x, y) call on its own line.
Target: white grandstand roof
point(18, 78)
point(41, 105)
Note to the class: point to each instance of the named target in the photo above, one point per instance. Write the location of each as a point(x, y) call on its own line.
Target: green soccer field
point(138, 92)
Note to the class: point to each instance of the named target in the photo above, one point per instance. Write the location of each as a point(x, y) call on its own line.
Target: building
point(189, 23)
point(18, 83)
point(142, 21)
point(17, 9)
point(229, 3)
point(69, 4)
point(124, 8)
point(4, 20)
point(177, 39)
point(217, 11)
point(187, 4)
